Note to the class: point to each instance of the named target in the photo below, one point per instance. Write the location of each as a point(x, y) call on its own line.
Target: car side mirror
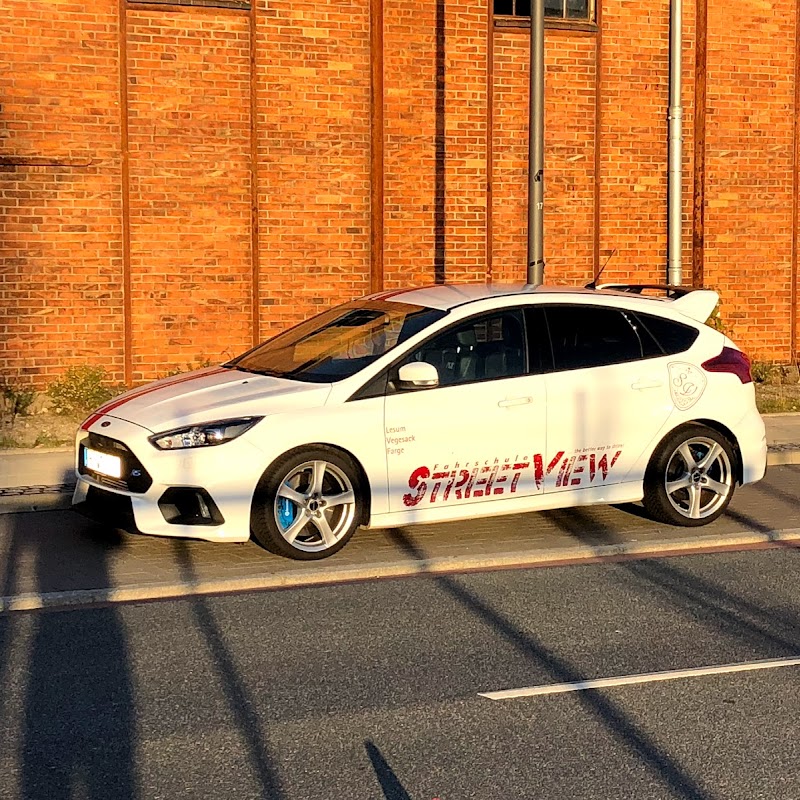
point(417, 375)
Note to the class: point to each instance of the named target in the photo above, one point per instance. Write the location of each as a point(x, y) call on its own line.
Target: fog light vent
point(189, 505)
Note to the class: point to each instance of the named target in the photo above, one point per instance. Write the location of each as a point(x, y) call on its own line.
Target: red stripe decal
point(103, 410)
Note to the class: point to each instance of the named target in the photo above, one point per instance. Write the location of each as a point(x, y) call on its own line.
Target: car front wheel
point(308, 504)
point(691, 477)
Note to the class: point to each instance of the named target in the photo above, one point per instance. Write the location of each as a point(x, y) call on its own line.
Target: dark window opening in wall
point(577, 10)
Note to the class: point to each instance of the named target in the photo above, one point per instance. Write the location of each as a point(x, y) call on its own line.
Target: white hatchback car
point(433, 404)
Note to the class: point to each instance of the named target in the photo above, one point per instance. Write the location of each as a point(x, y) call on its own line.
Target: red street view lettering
point(495, 479)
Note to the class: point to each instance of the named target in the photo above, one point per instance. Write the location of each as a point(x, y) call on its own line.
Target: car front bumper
point(199, 493)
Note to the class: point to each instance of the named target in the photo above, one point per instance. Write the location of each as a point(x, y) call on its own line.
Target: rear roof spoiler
point(697, 304)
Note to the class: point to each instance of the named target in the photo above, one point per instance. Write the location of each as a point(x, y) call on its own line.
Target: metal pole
point(535, 274)
point(675, 116)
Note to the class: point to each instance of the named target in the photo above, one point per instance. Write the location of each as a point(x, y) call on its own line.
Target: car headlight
point(207, 435)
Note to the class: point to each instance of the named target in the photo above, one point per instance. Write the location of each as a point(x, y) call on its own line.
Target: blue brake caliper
point(287, 512)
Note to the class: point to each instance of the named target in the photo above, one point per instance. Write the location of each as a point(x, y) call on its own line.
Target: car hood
point(208, 395)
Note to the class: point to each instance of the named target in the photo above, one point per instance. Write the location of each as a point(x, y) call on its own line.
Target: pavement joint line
point(397, 568)
point(640, 678)
point(25, 491)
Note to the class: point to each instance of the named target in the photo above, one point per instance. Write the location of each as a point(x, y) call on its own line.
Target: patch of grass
point(7, 442)
point(777, 406)
point(47, 439)
point(777, 399)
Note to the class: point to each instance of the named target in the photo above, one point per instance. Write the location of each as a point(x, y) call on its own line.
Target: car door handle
point(515, 401)
point(647, 384)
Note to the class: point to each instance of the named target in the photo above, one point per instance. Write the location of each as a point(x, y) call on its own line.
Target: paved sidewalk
point(783, 438)
point(58, 558)
point(46, 467)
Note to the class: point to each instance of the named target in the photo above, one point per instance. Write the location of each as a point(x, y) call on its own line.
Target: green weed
point(81, 389)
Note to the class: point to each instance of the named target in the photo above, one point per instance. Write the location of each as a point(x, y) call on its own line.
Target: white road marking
point(647, 677)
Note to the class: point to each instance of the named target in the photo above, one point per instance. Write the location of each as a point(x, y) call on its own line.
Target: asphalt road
point(372, 690)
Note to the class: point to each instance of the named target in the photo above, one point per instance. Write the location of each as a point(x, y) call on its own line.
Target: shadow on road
point(390, 785)
point(79, 718)
point(768, 629)
point(614, 719)
point(242, 706)
point(771, 490)
point(9, 587)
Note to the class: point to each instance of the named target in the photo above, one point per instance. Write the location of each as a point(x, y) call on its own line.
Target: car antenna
point(593, 283)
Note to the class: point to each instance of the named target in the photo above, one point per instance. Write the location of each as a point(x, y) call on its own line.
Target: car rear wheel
point(308, 504)
point(691, 477)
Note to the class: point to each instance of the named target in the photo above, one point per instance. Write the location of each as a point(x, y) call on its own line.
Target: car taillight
point(730, 360)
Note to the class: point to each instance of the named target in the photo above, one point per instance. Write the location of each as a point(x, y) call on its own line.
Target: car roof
point(450, 295)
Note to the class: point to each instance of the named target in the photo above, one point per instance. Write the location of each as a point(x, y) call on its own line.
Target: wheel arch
point(362, 473)
point(715, 425)
point(731, 437)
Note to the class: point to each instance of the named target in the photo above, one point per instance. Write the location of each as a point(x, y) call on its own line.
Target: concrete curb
point(328, 574)
point(782, 458)
point(28, 451)
point(48, 466)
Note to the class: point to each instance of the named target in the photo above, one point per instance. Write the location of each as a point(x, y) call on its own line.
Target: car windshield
point(337, 343)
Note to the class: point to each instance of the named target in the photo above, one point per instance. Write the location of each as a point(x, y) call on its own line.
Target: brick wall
point(313, 156)
point(749, 170)
point(436, 142)
point(569, 155)
point(190, 146)
point(60, 196)
point(633, 135)
point(410, 63)
point(464, 128)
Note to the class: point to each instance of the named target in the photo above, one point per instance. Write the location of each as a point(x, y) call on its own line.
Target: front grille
point(189, 505)
point(106, 481)
point(135, 478)
point(108, 508)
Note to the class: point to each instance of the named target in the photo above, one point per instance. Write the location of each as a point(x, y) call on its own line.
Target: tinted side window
point(483, 348)
point(673, 337)
point(540, 354)
point(592, 336)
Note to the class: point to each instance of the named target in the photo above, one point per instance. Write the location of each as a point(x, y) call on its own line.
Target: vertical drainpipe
point(127, 302)
point(675, 116)
point(377, 177)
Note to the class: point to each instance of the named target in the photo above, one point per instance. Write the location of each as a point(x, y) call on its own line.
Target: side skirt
point(630, 492)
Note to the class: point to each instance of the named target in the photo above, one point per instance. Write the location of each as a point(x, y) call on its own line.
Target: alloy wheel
point(698, 478)
point(314, 506)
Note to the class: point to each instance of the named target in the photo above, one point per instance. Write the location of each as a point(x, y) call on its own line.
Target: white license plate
point(104, 463)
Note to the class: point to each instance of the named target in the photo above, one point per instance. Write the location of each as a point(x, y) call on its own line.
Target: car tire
point(308, 504)
point(691, 477)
